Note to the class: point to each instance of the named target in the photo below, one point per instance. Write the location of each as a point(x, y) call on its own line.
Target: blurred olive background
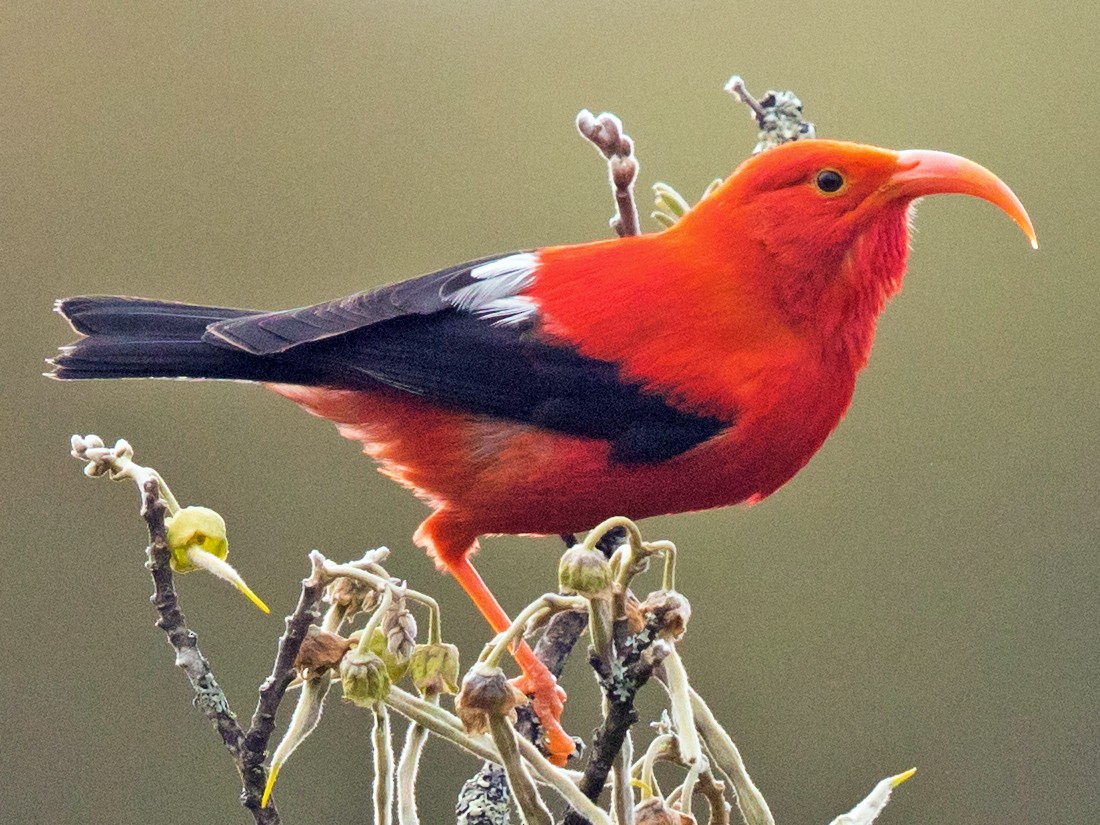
point(925, 593)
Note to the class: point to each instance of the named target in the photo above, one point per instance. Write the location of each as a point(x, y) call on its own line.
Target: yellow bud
point(195, 527)
point(196, 539)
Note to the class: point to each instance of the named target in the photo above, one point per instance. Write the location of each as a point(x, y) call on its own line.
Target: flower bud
point(364, 678)
point(434, 668)
point(585, 572)
point(196, 540)
point(671, 611)
point(399, 628)
point(195, 527)
point(486, 692)
point(320, 652)
point(396, 663)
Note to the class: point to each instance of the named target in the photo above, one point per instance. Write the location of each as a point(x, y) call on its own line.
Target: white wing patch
point(494, 293)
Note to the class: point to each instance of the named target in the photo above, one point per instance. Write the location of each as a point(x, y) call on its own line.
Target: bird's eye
point(829, 181)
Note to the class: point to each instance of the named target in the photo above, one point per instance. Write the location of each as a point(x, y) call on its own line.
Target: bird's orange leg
point(537, 681)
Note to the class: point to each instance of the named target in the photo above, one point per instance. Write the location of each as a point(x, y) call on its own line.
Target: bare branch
point(209, 697)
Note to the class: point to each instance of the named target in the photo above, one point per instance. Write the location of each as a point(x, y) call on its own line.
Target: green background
point(924, 593)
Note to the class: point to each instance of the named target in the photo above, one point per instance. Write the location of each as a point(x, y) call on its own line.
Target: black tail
point(139, 338)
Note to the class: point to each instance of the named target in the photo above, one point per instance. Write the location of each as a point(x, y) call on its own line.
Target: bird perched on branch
point(541, 392)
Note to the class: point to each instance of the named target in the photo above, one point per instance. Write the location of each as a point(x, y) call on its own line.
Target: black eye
point(829, 181)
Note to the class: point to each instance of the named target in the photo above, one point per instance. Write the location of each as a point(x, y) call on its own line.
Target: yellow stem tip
point(901, 777)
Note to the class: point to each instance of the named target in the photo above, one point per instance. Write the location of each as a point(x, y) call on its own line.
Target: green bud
point(364, 678)
point(434, 668)
point(396, 662)
point(585, 572)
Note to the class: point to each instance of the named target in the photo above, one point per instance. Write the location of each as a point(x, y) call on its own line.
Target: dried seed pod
point(354, 595)
point(399, 627)
point(320, 652)
point(486, 692)
point(633, 613)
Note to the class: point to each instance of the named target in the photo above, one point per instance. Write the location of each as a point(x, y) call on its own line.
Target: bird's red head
point(827, 221)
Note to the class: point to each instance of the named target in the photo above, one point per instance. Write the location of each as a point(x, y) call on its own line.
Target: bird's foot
point(548, 701)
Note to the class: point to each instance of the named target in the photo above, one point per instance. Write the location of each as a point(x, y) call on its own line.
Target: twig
point(274, 686)
point(606, 134)
point(247, 748)
point(382, 742)
point(620, 681)
point(209, 697)
point(714, 791)
point(754, 809)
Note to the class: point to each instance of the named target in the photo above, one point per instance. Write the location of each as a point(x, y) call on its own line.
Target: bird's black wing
point(464, 362)
point(268, 333)
point(466, 338)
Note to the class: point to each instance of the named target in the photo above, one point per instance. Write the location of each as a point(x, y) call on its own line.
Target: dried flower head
point(320, 652)
point(486, 692)
point(655, 812)
point(434, 668)
point(354, 595)
point(671, 611)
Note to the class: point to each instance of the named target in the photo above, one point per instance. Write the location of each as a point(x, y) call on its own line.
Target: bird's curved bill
point(924, 172)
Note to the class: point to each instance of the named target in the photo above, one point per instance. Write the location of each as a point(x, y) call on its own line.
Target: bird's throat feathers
point(872, 273)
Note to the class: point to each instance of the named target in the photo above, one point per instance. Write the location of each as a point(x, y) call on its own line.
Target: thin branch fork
point(247, 748)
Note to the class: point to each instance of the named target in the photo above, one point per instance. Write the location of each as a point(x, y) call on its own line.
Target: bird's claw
point(548, 702)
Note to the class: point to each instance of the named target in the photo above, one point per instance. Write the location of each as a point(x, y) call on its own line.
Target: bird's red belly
point(496, 476)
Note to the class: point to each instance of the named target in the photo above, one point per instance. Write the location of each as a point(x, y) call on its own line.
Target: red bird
point(542, 392)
